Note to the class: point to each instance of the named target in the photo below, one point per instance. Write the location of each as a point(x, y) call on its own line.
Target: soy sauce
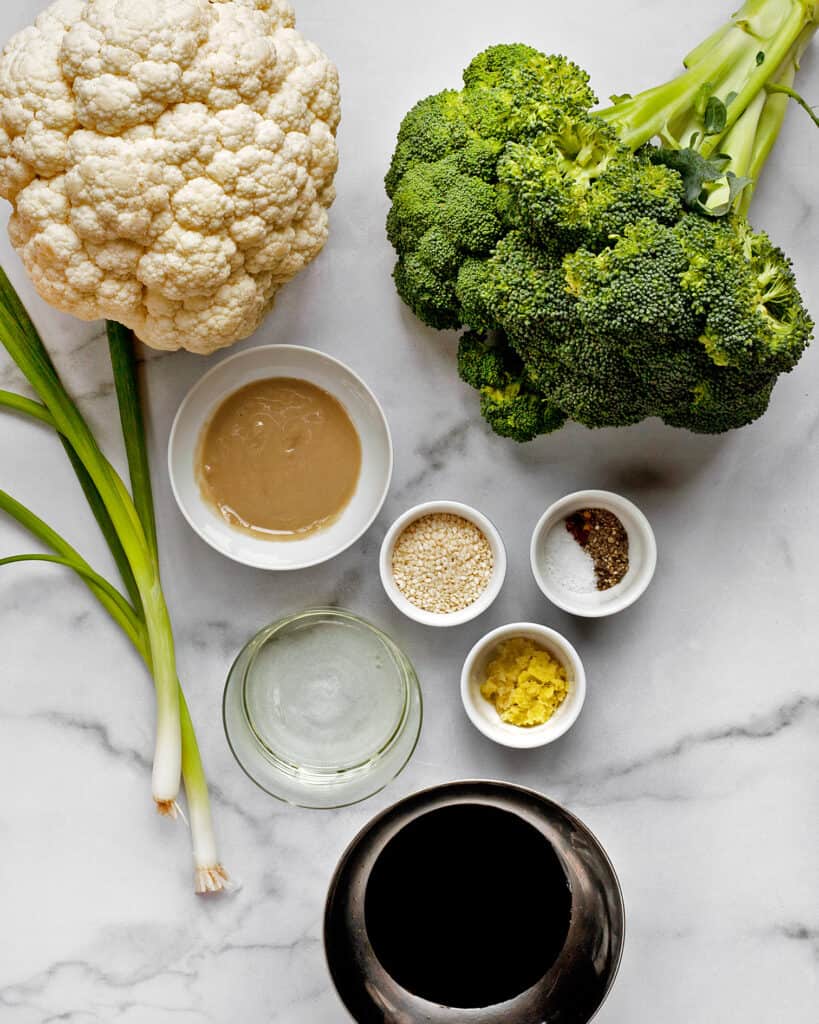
point(467, 906)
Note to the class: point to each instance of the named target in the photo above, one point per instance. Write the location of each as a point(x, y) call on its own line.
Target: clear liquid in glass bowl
point(322, 709)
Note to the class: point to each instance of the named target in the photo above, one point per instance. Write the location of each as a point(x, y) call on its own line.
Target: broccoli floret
point(601, 403)
point(513, 89)
point(518, 414)
point(470, 288)
point(713, 409)
point(479, 159)
point(630, 190)
point(745, 289)
point(598, 358)
point(485, 362)
point(667, 371)
point(633, 288)
point(546, 182)
point(437, 251)
point(579, 186)
point(525, 288)
point(787, 323)
point(429, 294)
point(439, 195)
point(433, 129)
point(509, 403)
point(438, 218)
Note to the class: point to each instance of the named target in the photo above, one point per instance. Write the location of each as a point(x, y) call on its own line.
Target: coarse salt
point(569, 566)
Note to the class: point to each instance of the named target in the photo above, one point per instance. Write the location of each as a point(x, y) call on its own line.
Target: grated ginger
point(525, 683)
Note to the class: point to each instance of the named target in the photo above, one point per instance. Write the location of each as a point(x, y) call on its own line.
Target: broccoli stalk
point(778, 90)
point(722, 78)
point(716, 105)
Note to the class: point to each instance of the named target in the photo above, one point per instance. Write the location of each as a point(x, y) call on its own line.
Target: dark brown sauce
point(467, 906)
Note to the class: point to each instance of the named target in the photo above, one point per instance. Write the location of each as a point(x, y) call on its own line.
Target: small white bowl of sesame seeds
point(442, 563)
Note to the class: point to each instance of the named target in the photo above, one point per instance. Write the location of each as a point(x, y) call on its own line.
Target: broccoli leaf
point(697, 172)
point(715, 117)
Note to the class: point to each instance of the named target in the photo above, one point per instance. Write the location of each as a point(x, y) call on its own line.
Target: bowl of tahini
point(280, 457)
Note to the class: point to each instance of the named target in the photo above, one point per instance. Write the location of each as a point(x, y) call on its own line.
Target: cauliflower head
point(170, 163)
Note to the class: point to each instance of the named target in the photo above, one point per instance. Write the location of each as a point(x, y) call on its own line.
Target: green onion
point(19, 335)
point(210, 875)
point(115, 511)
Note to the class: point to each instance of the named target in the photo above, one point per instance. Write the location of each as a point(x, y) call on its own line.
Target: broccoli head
point(605, 270)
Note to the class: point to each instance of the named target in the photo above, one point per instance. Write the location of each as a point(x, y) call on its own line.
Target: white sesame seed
point(442, 563)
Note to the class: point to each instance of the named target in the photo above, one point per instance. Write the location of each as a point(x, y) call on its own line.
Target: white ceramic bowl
point(486, 598)
point(642, 551)
point(363, 409)
point(482, 713)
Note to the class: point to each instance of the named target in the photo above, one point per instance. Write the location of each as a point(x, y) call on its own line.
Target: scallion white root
point(209, 874)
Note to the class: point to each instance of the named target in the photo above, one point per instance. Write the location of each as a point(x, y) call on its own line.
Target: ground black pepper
point(604, 537)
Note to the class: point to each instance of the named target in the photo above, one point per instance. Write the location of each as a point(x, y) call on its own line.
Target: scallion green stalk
point(37, 411)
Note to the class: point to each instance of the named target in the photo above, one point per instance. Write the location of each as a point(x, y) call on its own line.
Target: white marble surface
point(695, 760)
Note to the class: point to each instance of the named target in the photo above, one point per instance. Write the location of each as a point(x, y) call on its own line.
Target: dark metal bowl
point(573, 986)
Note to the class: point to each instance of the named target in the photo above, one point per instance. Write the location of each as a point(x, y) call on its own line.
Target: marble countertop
point(696, 758)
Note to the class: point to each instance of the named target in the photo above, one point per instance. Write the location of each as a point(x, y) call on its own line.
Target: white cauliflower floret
point(170, 162)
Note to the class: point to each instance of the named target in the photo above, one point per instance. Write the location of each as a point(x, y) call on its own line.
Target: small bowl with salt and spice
point(442, 563)
point(593, 553)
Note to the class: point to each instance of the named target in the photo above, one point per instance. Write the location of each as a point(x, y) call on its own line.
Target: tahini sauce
point(280, 459)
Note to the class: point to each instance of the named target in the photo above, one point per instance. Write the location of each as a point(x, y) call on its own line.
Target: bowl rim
point(612, 501)
point(247, 559)
point(486, 598)
point(539, 735)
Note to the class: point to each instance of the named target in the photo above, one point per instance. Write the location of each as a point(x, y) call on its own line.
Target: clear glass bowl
point(322, 709)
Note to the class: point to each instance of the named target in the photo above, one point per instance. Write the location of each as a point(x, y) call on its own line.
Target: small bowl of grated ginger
point(523, 685)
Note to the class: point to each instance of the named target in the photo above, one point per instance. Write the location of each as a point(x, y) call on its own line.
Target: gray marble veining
point(695, 760)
